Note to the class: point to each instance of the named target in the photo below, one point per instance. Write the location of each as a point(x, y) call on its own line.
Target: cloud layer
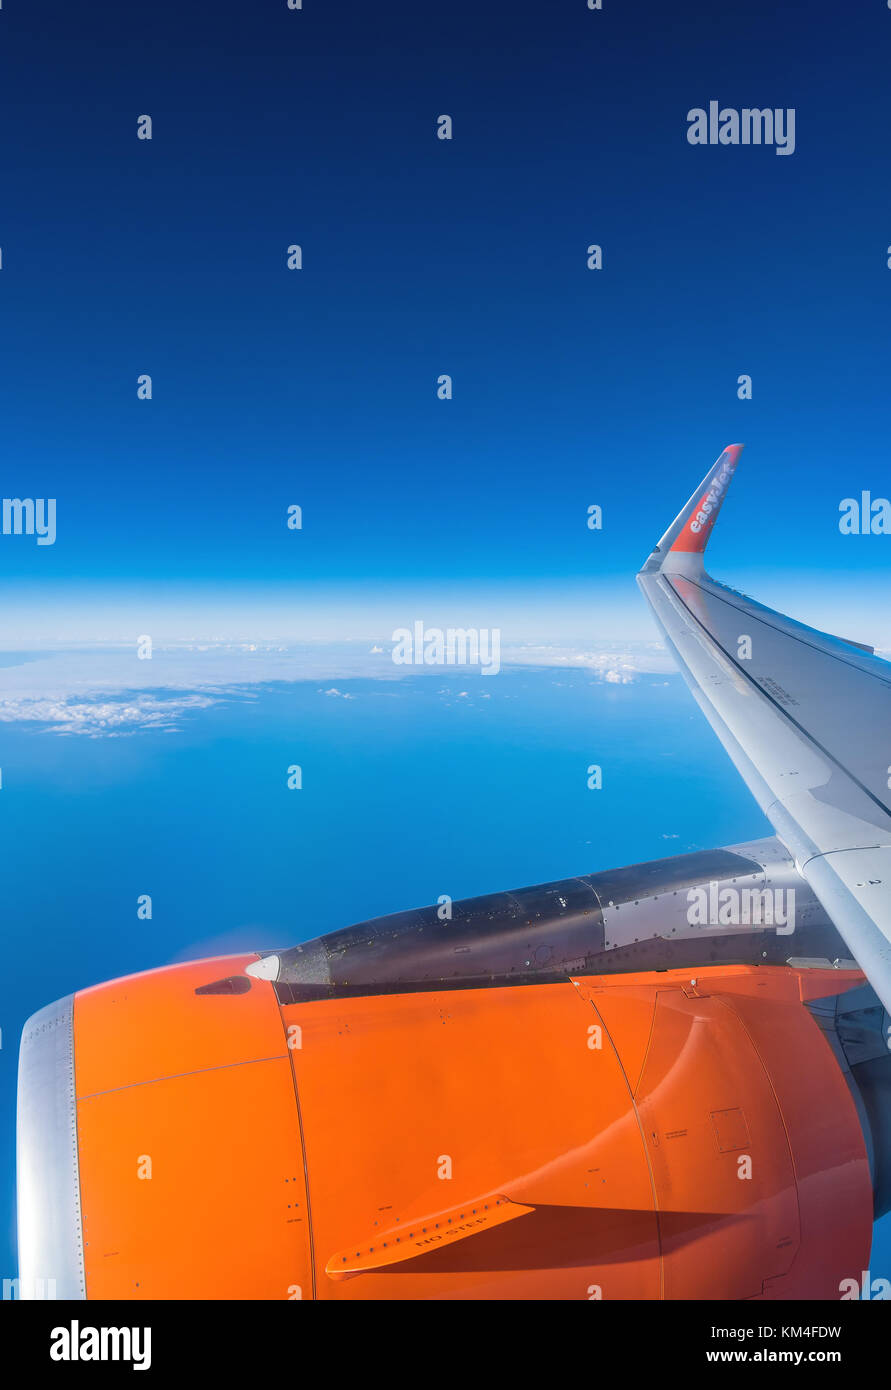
point(102, 692)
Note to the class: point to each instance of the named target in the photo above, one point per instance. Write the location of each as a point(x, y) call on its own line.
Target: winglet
point(682, 546)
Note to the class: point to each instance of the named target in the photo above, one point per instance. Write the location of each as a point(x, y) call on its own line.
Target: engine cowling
point(184, 1134)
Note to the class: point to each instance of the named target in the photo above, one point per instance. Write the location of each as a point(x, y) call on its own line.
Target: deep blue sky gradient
point(421, 257)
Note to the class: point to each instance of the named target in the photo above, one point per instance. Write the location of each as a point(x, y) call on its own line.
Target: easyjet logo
point(712, 499)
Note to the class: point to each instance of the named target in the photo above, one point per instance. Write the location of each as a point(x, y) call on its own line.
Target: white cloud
point(608, 661)
point(102, 717)
point(106, 690)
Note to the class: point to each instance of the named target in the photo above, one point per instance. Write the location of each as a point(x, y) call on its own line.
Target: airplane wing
point(806, 718)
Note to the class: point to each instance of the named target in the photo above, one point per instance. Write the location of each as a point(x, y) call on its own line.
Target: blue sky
point(422, 257)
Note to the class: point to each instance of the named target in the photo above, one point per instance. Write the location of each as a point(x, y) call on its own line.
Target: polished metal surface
point(51, 1257)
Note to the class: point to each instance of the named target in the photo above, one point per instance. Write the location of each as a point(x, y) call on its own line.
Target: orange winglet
point(697, 528)
point(428, 1233)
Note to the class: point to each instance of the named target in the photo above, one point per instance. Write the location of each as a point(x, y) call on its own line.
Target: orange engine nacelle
point(633, 1136)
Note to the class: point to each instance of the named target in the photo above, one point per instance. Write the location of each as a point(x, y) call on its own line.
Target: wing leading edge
point(804, 716)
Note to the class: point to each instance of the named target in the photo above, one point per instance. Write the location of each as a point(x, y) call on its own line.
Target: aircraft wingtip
point(689, 533)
